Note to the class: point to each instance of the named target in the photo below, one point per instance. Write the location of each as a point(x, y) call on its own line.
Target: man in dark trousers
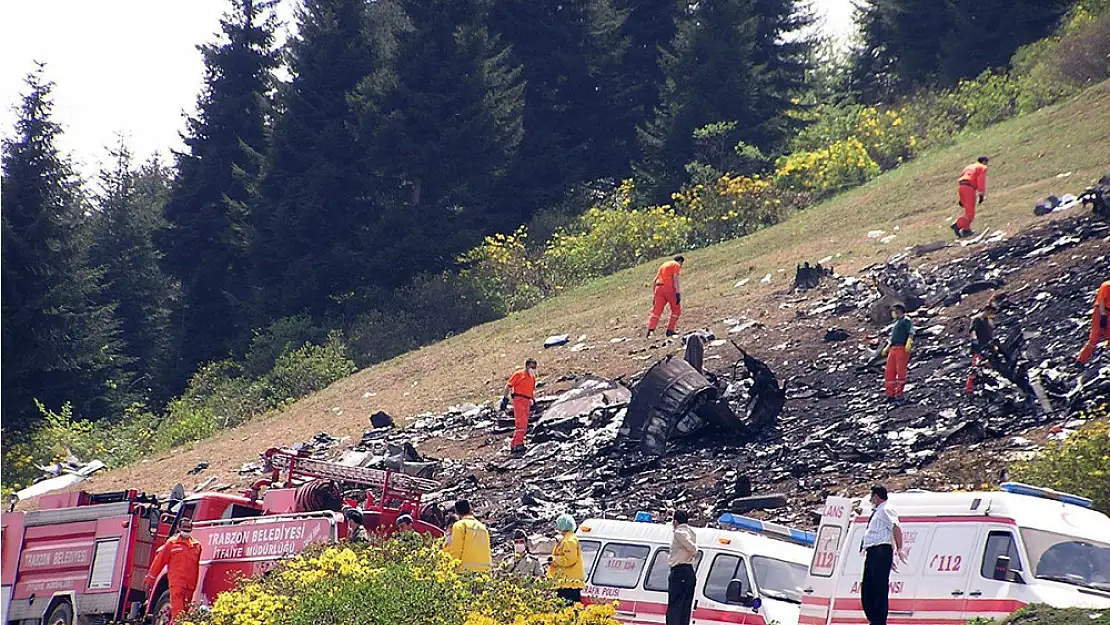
point(881, 540)
point(680, 583)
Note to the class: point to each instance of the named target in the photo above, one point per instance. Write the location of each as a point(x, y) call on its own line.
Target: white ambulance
point(969, 554)
point(753, 573)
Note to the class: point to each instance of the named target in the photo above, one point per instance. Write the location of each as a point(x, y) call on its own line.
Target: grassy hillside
point(919, 199)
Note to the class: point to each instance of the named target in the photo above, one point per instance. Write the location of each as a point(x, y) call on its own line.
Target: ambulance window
point(589, 554)
point(1000, 543)
point(660, 570)
point(620, 565)
point(725, 569)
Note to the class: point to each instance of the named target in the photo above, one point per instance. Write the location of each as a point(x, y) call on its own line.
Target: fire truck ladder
point(389, 482)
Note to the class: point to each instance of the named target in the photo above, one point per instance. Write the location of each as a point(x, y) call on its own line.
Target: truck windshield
point(779, 579)
point(1068, 559)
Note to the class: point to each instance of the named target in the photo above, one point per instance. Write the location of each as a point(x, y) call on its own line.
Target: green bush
point(1080, 464)
point(309, 368)
point(280, 338)
point(219, 395)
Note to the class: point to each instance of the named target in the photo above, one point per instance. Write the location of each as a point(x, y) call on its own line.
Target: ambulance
point(971, 554)
point(752, 573)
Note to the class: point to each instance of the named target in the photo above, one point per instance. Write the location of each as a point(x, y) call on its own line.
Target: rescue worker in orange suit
point(972, 186)
point(522, 389)
point(983, 345)
point(1100, 323)
point(181, 554)
point(897, 354)
point(667, 292)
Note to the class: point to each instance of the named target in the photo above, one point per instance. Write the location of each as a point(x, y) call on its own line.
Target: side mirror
point(737, 594)
point(1002, 568)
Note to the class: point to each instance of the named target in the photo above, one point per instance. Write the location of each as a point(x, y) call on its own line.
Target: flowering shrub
point(730, 207)
point(612, 237)
point(505, 269)
point(840, 166)
point(407, 580)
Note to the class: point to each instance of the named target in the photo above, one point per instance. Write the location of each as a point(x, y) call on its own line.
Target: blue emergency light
point(739, 522)
point(1018, 488)
point(644, 517)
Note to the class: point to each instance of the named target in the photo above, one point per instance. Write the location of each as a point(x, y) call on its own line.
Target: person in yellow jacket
point(567, 573)
point(469, 540)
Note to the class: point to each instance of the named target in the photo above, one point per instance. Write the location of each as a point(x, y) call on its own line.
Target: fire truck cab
point(751, 573)
point(968, 554)
point(79, 556)
point(83, 557)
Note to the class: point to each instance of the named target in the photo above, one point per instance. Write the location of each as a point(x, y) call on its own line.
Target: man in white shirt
point(881, 540)
point(680, 582)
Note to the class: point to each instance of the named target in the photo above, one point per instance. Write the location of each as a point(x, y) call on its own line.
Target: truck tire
point(160, 615)
point(62, 614)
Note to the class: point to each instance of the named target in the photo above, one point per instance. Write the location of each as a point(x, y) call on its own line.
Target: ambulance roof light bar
point(736, 521)
point(1018, 488)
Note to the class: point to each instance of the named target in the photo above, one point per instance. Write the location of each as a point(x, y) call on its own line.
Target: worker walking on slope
point(181, 554)
point(983, 346)
point(897, 354)
point(667, 292)
point(682, 579)
point(469, 540)
point(567, 573)
point(972, 185)
point(1100, 323)
point(522, 389)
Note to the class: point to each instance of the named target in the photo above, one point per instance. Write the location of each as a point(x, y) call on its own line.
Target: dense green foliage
point(1080, 464)
point(350, 213)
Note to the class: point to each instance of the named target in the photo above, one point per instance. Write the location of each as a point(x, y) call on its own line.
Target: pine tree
point(312, 227)
point(446, 129)
point(913, 43)
point(59, 344)
point(730, 62)
point(129, 211)
point(650, 27)
point(206, 244)
point(579, 116)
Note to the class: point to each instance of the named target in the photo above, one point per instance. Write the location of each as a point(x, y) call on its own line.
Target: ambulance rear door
point(821, 580)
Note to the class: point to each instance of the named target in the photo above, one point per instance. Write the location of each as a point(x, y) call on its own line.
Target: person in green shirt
point(897, 353)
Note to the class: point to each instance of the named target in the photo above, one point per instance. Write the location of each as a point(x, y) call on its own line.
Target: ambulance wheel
point(62, 614)
point(161, 615)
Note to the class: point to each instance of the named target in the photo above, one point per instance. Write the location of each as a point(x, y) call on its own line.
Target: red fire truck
point(82, 557)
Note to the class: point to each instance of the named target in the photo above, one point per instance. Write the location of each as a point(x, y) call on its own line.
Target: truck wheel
point(160, 615)
point(62, 614)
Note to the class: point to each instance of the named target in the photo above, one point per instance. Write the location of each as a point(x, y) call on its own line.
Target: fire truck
point(82, 557)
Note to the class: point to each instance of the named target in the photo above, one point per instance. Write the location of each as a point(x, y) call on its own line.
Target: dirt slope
point(916, 202)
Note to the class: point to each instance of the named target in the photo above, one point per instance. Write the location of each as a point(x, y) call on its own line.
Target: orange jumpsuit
point(665, 295)
point(183, 557)
point(523, 385)
point(973, 182)
point(1098, 331)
